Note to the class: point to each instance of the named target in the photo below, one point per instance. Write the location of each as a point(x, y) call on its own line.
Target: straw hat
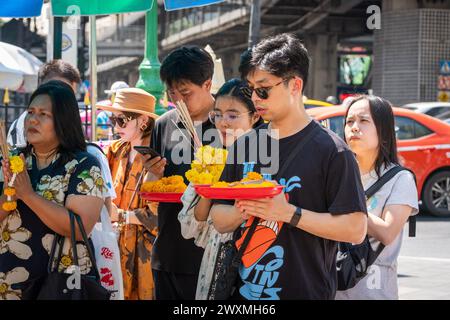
point(132, 100)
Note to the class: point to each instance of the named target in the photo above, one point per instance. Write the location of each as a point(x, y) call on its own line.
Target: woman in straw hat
point(133, 119)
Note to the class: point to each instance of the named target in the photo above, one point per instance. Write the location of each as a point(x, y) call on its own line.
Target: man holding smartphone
point(187, 73)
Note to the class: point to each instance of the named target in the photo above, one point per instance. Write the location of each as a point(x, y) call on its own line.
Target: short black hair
point(244, 63)
point(233, 89)
point(283, 55)
point(383, 118)
point(59, 68)
point(188, 63)
point(66, 118)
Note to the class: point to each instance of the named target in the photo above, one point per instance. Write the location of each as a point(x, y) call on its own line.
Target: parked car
point(423, 145)
point(434, 109)
point(445, 116)
point(311, 103)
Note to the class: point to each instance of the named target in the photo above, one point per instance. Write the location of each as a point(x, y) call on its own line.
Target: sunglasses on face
point(263, 92)
point(120, 121)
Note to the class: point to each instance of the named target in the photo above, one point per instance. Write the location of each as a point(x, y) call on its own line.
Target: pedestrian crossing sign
point(444, 67)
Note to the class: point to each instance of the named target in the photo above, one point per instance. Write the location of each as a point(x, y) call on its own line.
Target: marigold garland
point(167, 184)
point(207, 166)
point(17, 166)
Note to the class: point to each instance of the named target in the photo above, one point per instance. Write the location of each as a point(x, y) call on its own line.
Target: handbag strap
point(57, 240)
point(74, 216)
point(298, 148)
point(248, 236)
point(73, 239)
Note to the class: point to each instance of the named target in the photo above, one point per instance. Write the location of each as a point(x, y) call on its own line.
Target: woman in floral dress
point(60, 176)
point(133, 119)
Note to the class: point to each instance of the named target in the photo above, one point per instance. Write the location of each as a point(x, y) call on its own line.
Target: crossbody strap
point(298, 147)
point(382, 181)
point(385, 178)
point(248, 236)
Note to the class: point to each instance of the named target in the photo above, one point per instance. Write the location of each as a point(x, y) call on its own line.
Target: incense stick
point(4, 148)
point(189, 140)
point(187, 122)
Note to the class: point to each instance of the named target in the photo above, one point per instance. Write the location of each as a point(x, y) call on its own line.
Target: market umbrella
point(18, 68)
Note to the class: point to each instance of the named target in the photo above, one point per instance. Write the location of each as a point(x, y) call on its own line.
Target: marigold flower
point(16, 164)
point(165, 184)
point(9, 205)
point(9, 191)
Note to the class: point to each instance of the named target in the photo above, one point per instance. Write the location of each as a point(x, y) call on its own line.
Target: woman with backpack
point(370, 133)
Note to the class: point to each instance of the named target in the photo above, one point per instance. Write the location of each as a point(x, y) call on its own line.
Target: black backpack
point(352, 261)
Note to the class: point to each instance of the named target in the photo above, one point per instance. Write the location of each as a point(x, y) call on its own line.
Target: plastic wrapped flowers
point(17, 166)
point(167, 184)
point(207, 166)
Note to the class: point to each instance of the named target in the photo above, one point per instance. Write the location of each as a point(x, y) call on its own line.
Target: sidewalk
point(421, 278)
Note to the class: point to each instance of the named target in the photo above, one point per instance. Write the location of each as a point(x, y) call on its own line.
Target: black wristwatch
point(296, 217)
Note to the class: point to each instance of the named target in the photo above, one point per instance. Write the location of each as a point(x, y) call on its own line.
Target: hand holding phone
point(144, 150)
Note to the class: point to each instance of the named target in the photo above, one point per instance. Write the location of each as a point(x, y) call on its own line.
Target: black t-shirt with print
point(282, 262)
point(172, 252)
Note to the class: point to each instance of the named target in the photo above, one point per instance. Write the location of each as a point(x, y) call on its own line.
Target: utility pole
point(255, 23)
point(57, 37)
point(149, 79)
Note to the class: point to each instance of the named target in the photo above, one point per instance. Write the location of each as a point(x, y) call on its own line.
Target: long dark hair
point(66, 118)
point(233, 88)
point(383, 118)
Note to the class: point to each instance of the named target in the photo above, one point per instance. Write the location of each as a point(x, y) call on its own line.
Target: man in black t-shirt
point(187, 72)
point(292, 253)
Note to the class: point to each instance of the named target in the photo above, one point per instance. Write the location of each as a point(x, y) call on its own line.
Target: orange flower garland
point(167, 184)
point(17, 166)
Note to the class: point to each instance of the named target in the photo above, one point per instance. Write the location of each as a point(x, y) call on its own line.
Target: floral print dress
point(25, 241)
point(205, 236)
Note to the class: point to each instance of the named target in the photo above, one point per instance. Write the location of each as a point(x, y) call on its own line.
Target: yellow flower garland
point(17, 166)
point(207, 166)
point(166, 184)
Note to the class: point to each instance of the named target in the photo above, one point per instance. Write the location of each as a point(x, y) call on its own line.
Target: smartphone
point(144, 150)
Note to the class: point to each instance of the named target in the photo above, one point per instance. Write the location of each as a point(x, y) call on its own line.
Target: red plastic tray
point(161, 196)
point(238, 193)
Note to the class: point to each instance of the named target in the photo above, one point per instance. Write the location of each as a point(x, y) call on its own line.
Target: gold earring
point(143, 127)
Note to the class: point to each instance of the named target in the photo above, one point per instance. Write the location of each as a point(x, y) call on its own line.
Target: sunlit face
point(232, 119)
point(194, 96)
point(131, 129)
point(39, 123)
point(283, 94)
point(360, 131)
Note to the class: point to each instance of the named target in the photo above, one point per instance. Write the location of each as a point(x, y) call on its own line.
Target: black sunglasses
point(262, 92)
point(120, 121)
